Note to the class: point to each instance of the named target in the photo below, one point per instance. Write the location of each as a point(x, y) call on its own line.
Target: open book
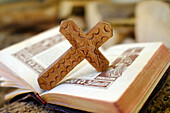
point(135, 70)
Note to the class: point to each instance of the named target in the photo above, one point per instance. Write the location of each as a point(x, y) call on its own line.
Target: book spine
point(37, 97)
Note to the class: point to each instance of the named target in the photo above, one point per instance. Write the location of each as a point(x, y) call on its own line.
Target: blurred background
point(132, 20)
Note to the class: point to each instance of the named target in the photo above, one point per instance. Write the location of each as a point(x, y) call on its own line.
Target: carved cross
point(84, 46)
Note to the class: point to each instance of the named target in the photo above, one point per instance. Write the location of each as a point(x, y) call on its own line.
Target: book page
point(27, 59)
point(126, 62)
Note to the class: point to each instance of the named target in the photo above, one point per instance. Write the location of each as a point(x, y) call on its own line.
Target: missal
point(133, 73)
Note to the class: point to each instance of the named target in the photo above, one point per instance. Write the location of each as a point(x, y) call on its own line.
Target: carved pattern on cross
point(84, 46)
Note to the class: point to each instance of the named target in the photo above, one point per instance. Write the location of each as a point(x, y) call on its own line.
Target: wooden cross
point(84, 46)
